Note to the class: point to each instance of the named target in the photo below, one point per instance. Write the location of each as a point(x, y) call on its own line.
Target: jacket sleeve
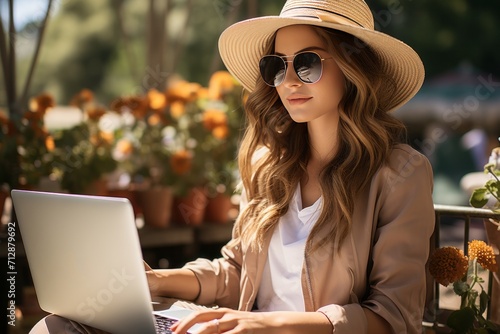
point(404, 215)
point(220, 278)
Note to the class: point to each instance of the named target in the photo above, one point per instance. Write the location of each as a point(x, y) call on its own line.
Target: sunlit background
point(138, 88)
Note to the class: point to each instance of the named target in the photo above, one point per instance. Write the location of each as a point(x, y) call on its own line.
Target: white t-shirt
point(281, 288)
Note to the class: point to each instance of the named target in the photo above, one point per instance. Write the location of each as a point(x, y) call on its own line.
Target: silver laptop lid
point(85, 259)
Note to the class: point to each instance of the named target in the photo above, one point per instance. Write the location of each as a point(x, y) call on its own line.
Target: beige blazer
point(381, 265)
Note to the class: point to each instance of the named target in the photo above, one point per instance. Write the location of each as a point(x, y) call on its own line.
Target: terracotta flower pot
point(97, 187)
point(190, 209)
point(130, 195)
point(220, 210)
point(156, 206)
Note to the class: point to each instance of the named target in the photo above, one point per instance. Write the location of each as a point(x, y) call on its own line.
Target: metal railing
point(434, 315)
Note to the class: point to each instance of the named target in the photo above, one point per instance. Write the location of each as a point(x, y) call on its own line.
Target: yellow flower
point(448, 264)
point(484, 254)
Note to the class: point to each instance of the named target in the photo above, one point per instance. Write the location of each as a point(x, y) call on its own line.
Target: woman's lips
point(298, 100)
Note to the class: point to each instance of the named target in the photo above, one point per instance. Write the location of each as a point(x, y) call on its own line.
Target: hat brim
point(242, 45)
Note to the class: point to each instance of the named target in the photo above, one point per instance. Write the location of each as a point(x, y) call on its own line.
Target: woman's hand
point(225, 320)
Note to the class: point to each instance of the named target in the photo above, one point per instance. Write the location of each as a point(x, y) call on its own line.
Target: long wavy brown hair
point(366, 135)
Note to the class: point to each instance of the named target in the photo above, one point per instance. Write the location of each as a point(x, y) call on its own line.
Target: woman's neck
point(323, 142)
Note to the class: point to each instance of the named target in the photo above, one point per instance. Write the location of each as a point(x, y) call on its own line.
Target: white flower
point(495, 158)
point(110, 122)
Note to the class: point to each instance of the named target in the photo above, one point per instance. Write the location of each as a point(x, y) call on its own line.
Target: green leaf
point(489, 166)
point(461, 320)
point(492, 328)
point(460, 287)
point(483, 301)
point(481, 331)
point(479, 197)
point(493, 187)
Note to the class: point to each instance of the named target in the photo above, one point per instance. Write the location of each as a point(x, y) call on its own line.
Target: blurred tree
point(444, 33)
point(81, 45)
point(117, 47)
point(17, 103)
point(15, 93)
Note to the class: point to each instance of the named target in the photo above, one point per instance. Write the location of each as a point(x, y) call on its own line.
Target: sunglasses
point(307, 65)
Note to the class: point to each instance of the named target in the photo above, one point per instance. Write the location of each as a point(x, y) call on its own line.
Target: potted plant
point(142, 151)
point(488, 196)
point(223, 118)
point(83, 153)
point(449, 265)
point(26, 147)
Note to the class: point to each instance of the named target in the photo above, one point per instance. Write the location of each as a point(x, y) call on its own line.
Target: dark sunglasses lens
point(308, 67)
point(272, 70)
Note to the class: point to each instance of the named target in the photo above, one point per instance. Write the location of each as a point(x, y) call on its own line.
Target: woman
point(335, 223)
point(336, 215)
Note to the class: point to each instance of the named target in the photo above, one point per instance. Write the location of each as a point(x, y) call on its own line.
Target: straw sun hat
point(242, 44)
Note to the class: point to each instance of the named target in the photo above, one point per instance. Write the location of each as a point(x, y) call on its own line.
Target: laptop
point(86, 262)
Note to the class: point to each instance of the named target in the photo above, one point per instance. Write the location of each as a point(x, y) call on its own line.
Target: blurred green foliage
point(104, 45)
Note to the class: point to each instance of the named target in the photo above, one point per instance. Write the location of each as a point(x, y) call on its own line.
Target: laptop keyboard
point(163, 324)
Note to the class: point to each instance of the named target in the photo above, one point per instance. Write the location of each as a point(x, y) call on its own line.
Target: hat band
point(328, 12)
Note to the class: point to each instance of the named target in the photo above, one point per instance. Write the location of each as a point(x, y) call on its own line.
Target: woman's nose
point(291, 78)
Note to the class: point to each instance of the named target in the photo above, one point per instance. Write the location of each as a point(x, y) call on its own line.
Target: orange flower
point(181, 162)
point(213, 118)
point(95, 113)
point(177, 109)
point(39, 131)
point(95, 140)
point(33, 117)
point(3, 119)
point(101, 139)
point(107, 137)
point(183, 91)
point(49, 143)
point(137, 105)
point(220, 132)
point(203, 93)
point(154, 119)
point(484, 254)
point(156, 100)
point(41, 103)
point(448, 264)
point(7, 126)
point(244, 99)
point(81, 98)
point(125, 147)
point(220, 83)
